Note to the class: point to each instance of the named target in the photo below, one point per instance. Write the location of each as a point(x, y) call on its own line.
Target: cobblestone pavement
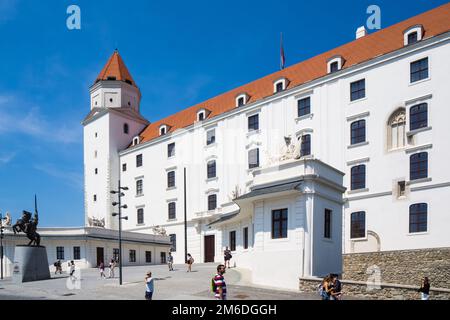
point(169, 285)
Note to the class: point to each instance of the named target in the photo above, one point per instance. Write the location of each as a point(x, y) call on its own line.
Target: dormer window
point(241, 99)
point(202, 114)
point(136, 140)
point(412, 35)
point(280, 85)
point(125, 128)
point(335, 64)
point(163, 130)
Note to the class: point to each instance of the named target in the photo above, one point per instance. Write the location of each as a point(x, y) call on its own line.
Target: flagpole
point(282, 57)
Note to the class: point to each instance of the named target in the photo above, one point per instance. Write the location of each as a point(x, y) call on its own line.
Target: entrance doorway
point(100, 256)
point(210, 244)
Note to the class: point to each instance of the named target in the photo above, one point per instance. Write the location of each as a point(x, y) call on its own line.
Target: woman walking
point(101, 267)
point(189, 262)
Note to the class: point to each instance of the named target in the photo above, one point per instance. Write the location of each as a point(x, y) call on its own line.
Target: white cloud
point(71, 178)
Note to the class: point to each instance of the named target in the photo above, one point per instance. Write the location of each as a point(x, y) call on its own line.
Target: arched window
point(305, 145)
point(211, 169)
point(125, 128)
point(358, 177)
point(396, 135)
point(418, 116)
point(358, 131)
point(418, 166)
point(418, 217)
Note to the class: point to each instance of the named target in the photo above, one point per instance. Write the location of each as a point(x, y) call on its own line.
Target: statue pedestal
point(30, 264)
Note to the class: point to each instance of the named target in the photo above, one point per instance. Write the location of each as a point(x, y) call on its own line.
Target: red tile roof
point(115, 69)
point(435, 22)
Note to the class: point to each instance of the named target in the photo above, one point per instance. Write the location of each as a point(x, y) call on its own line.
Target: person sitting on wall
point(336, 292)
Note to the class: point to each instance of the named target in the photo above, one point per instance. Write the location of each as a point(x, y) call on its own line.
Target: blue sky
point(179, 53)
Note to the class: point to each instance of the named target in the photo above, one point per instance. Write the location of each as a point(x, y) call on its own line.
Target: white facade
point(305, 250)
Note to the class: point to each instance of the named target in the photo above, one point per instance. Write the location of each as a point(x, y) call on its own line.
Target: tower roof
point(115, 69)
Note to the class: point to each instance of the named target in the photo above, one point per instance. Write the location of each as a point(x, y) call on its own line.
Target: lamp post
point(121, 194)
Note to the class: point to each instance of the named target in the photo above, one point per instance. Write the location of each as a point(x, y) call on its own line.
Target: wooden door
point(100, 256)
point(209, 248)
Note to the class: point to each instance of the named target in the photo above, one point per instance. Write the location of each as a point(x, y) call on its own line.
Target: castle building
point(343, 153)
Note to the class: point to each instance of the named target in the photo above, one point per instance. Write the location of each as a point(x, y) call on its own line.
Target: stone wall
point(403, 267)
point(384, 291)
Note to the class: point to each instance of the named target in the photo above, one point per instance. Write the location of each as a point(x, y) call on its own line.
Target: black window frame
point(173, 242)
point(334, 67)
point(358, 225)
point(418, 116)
point(132, 256)
point(59, 253)
point(95, 198)
point(140, 216)
point(253, 122)
point(413, 37)
point(76, 253)
point(172, 210)
point(210, 136)
point(418, 217)
point(171, 179)
point(418, 166)
point(252, 154)
point(201, 116)
point(419, 70)
point(211, 171)
point(305, 145)
point(304, 106)
point(139, 160)
point(139, 187)
point(126, 128)
point(233, 240)
point(171, 150)
point(358, 132)
point(327, 223)
point(245, 237)
point(358, 90)
point(124, 167)
point(280, 223)
point(212, 202)
point(148, 257)
point(241, 102)
point(163, 257)
point(358, 177)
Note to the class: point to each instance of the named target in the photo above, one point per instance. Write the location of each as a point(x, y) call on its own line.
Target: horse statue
point(28, 225)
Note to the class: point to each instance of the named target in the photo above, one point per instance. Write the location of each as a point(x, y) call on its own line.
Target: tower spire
point(115, 69)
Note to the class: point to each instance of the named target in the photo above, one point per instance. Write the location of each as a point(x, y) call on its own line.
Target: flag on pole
point(282, 57)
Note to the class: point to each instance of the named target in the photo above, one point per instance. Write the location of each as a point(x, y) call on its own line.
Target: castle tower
point(110, 126)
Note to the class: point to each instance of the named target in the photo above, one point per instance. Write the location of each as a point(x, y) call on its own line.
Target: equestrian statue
point(28, 226)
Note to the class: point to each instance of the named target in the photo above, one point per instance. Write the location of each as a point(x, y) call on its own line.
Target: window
point(211, 169)
point(358, 90)
point(246, 238)
point(241, 99)
point(418, 217)
point(418, 116)
point(210, 137)
point(327, 224)
point(358, 131)
point(116, 254)
point(96, 171)
point(125, 128)
point(96, 135)
point(95, 197)
point(124, 167)
point(171, 179)
point(419, 70)
point(162, 130)
point(148, 257)
point(358, 177)
point(212, 202)
point(334, 66)
point(171, 150)
point(233, 240)
point(304, 106)
point(240, 102)
point(396, 130)
point(139, 187)
point(279, 223)
point(305, 145)
point(253, 122)
point(173, 241)
point(136, 140)
point(201, 116)
point(172, 210)
point(279, 87)
point(76, 253)
point(163, 257)
point(132, 255)
point(140, 216)
point(358, 225)
point(139, 160)
point(401, 188)
point(253, 158)
point(60, 253)
point(418, 166)
point(412, 38)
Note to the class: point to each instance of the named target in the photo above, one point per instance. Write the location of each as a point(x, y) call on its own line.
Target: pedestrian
point(189, 262)
point(325, 288)
point(219, 285)
point(101, 267)
point(112, 266)
point(170, 261)
point(227, 257)
point(336, 291)
point(425, 289)
point(149, 288)
point(59, 267)
point(72, 270)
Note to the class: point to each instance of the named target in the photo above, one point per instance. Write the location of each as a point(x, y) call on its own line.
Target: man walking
point(170, 261)
point(219, 283)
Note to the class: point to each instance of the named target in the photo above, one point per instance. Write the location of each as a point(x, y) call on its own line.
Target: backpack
point(213, 285)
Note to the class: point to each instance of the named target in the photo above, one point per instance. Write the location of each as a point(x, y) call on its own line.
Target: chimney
point(361, 32)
